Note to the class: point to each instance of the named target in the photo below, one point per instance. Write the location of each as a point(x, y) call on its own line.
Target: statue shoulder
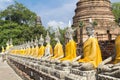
point(93, 39)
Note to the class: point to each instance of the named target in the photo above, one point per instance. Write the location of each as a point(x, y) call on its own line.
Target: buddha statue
point(48, 49)
point(32, 48)
point(7, 45)
point(11, 45)
point(35, 54)
point(27, 49)
point(41, 48)
point(91, 57)
point(111, 65)
point(3, 50)
point(58, 49)
point(70, 48)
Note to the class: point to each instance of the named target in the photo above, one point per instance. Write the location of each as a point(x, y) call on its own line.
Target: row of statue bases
point(91, 58)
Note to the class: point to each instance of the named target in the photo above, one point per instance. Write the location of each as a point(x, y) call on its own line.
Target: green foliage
point(19, 14)
point(16, 22)
point(116, 11)
point(81, 24)
point(95, 23)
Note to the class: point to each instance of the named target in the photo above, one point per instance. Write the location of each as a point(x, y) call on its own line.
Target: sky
point(52, 12)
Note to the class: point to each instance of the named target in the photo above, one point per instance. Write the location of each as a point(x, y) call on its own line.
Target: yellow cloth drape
point(32, 52)
point(28, 51)
point(58, 51)
point(117, 47)
point(22, 52)
point(92, 52)
point(41, 51)
point(36, 49)
point(8, 47)
point(3, 49)
point(70, 51)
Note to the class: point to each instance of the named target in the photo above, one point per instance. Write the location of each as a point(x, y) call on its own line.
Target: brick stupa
point(99, 11)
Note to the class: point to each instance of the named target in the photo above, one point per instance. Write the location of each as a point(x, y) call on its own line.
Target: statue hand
point(104, 68)
point(87, 66)
point(101, 65)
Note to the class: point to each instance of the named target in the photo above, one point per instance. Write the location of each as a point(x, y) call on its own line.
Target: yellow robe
point(8, 47)
point(28, 52)
point(33, 52)
point(70, 51)
point(41, 51)
point(92, 52)
point(3, 50)
point(58, 51)
point(22, 52)
point(117, 47)
point(36, 49)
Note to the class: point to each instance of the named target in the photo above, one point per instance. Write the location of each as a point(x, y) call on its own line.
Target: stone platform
point(34, 69)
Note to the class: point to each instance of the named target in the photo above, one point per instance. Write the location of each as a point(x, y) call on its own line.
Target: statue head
point(90, 30)
point(47, 38)
point(69, 32)
point(36, 41)
point(57, 35)
point(41, 40)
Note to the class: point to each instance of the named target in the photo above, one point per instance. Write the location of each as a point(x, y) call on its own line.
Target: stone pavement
point(7, 73)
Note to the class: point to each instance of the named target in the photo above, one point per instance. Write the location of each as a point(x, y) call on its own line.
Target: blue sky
point(52, 12)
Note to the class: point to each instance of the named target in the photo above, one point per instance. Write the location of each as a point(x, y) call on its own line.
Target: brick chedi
point(99, 10)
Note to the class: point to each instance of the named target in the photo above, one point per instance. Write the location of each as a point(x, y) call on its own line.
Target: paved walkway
point(7, 73)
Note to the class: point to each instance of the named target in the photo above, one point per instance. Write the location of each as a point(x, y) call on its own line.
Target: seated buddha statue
point(27, 49)
point(58, 49)
point(41, 50)
point(48, 49)
point(3, 50)
point(36, 48)
point(32, 48)
point(70, 48)
point(7, 46)
point(111, 65)
point(91, 57)
point(11, 45)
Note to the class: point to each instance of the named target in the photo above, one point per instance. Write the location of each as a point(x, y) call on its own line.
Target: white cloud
point(5, 3)
point(54, 24)
point(63, 13)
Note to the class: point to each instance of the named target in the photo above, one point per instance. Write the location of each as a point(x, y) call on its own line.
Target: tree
point(116, 11)
point(16, 22)
point(18, 13)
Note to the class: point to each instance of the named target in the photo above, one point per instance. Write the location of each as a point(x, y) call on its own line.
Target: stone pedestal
point(76, 74)
point(104, 77)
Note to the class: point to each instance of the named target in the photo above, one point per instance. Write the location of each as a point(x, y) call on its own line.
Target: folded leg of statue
point(65, 63)
point(75, 64)
point(86, 66)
